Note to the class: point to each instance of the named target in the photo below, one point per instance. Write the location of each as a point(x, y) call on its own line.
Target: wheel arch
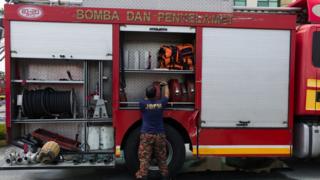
point(170, 121)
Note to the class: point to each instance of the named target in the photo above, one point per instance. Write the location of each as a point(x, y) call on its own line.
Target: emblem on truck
point(316, 10)
point(30, 12)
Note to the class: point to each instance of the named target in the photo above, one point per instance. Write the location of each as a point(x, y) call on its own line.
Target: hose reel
point(47, 103)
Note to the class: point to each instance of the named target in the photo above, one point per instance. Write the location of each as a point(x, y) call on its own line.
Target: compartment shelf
point(48, 81)
point(168, 108)
point(188, 106)
point(25, 121)
point(61, 165)
point(159, 71)
point(169, 103)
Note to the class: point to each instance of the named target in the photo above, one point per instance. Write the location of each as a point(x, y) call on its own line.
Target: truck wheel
point(175, 152)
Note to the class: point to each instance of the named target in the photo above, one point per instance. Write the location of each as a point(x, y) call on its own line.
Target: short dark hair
point(151, 92)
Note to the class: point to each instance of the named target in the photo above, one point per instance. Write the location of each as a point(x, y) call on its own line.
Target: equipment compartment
point(50, 82)
point(41, 87)
point(140, 65)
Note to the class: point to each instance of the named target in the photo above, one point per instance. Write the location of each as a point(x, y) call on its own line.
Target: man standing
point(152, 137)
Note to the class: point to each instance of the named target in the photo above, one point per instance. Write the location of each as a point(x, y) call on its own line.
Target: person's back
point(152, 137)
point(152, 115)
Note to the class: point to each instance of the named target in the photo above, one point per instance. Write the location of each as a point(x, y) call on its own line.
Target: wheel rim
point(153, 163)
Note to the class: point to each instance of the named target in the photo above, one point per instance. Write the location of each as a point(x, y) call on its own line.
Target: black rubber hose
point(47, 102)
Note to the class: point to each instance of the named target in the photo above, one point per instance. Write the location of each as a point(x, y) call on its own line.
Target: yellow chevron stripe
point(311, 103)
point(313, 83)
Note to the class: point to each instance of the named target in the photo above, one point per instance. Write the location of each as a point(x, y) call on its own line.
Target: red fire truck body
point(297, 77)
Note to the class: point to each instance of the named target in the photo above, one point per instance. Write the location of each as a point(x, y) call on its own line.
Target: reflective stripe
point(118, 151)
point(311, 102)
point(313, 83)
point(243, 150)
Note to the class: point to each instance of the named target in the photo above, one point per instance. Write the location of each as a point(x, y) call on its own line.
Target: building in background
point(286, 2)
point(261, 3)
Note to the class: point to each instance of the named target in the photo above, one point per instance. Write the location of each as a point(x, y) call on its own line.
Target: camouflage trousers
point(152, 143)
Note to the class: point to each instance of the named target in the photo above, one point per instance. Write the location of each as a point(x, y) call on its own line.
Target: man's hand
point(163, 83)
point(166, 89)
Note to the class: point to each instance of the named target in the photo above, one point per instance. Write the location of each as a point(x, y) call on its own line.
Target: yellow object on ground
point(2, 135)
point(49, 151)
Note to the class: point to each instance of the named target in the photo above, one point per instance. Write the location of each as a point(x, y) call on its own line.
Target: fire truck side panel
point(245, 77)
point(252, 142)
point(244, 142)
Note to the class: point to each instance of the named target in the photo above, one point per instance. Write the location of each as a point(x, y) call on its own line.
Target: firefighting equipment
point(157, 85)
point(181, 92)
point(11, 156)
point(178, 57)
point(190, 90)
point(31, 157)
point(48, 152)
point(185, 56)
point(64, 142)
point(47, 103)
point(184, 93)
point(167, 56)
point(175, 90)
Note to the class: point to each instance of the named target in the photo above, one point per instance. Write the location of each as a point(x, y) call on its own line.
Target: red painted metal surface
point(212, 136)
point(240, 20)
point(198, 68)
point(7, 45)
point(312, 6)
point(304, 67)
point(126, 118)
point(115, 72)
point(292, 80)
point(64, 142)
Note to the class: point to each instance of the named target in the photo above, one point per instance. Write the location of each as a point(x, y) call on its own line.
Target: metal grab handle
point(243, 123)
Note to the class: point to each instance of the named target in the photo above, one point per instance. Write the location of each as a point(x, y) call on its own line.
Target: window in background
point(316, 49)
point(240, 2)
point(268, 3)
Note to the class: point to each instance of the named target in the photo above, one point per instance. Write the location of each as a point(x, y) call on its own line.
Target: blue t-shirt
point(152, 115)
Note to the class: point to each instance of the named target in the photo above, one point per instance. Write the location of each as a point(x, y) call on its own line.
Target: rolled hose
point(47, 103)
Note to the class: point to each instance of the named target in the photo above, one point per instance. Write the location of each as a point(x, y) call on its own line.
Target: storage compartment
point(243, 83)
point(42, 89)
point(141, 63)
point(61, 40)
point(100, 137)
point(47, 84)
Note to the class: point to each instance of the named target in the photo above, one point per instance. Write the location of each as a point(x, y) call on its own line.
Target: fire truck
point(76, 70)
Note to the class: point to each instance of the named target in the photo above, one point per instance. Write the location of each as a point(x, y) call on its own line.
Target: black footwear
point(143, 178)
point(166, 178)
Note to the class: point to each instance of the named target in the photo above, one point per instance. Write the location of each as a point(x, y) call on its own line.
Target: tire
point(176, 151)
